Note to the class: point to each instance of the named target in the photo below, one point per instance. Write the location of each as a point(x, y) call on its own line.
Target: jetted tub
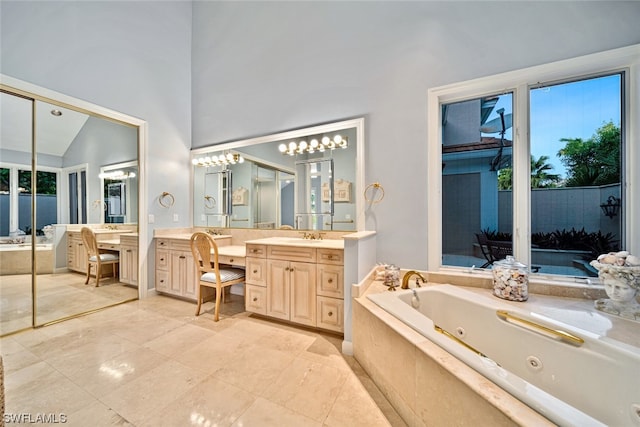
point(571, 376)
point(15, 258)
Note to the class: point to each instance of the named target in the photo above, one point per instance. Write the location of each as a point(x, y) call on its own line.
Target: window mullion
point(521, 176)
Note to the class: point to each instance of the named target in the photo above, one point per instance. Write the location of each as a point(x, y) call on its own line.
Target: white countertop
point(300, 242)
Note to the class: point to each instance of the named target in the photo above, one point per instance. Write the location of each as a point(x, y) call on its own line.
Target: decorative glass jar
point(510, 279)
point(392, 276)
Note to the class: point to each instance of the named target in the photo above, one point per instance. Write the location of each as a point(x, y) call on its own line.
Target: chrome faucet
point(408, 275)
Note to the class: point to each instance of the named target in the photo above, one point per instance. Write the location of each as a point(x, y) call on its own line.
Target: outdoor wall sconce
point(610, 208)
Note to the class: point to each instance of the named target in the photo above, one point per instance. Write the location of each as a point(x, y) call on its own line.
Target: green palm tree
point(540, 176)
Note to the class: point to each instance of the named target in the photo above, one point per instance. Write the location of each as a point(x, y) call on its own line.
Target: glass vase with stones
point(510, 279)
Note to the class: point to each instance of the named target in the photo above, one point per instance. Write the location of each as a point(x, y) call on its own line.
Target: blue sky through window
point(567, 110)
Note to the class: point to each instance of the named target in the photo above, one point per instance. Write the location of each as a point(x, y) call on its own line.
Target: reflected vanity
point(305, 179)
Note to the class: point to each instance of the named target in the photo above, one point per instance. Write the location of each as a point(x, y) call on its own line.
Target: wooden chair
point(210, 274)
point(96, 256)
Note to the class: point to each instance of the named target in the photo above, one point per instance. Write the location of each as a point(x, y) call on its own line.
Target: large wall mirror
point(62, 165)
point(306, 179)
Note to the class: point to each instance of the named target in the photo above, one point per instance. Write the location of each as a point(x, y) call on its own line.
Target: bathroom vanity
point(298, 280)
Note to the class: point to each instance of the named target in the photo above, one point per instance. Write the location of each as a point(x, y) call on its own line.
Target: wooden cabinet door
point(331, 280)
point(183, 274)
point(278, 289)
point(331, 314)
point(255, 299)
point(303, 293)
point(256, 271)
point(129, 265)
point(80, 256)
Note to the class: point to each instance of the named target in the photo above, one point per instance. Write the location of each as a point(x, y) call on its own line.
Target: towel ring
point(375, 186)
point(166, 200)
point(209, 202)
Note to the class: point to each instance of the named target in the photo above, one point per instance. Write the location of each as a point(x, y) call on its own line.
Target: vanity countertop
point(187, 236)
point(300, 242)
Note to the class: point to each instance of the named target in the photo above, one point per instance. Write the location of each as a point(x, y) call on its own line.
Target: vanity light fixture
point(221, 160)
point(56, 112)
point(115, 175)
point(314, 145)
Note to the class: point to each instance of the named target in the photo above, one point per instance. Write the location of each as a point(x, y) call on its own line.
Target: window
point(16, 204)
point(554, 199)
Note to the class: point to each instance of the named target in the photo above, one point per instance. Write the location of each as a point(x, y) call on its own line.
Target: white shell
point(622, 254)
point(633, 260)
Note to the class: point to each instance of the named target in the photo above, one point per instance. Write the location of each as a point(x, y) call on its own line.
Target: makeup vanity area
point(288, 209)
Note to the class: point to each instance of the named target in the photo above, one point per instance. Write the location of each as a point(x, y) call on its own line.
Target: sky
point(568, 110)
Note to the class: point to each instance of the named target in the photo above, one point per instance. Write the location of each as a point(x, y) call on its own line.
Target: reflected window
point(46, 200)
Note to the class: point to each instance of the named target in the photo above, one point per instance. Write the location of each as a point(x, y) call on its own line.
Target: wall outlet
point(176, 218)
point(152, 219)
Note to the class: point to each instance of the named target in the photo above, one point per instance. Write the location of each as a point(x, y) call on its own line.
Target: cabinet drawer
point(330, 314)
point(162, 281)
point(256, 271)
point(255, 299)
point(292, 253)
point(231, 260)
point(108, 246)
point(180, 245)
point(162, 243)
point(331, 256)
point(162, 259)
point(330, 282)
point(256, 251)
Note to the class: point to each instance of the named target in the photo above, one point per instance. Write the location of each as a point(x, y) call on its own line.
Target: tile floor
point(153, 363)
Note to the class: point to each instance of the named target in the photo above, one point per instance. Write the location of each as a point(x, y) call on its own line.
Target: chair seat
point(105, 257)
point(226, 275)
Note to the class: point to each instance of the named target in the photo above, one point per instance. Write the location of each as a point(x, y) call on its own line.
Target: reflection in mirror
point(270, 188)
point(315, 194)
point(70, 147)
point(16, 308)
point(120, 193)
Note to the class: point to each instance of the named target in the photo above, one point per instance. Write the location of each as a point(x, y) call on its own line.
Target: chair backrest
point(205, 251)
point(89, 240)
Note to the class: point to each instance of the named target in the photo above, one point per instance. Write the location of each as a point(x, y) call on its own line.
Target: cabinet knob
point(330, 280)
point(330, 313)
point(162, 281)
point(231, 260)
point(182, 257)
point(255, 298)
point(128, 250)
point(161, 259)
point(255, 271)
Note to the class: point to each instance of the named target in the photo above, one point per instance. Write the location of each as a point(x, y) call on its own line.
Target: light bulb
point(325, 140)
point(337, 139)
point(241, 159)
point(302, 145)
point(313, 143)
point(282, 148)
point(208, 159)
point(194, 161)
point(292, 146)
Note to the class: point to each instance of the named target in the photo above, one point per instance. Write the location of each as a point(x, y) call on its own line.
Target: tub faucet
point(408, 275)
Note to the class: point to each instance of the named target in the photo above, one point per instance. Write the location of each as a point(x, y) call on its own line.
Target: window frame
point(623, 60)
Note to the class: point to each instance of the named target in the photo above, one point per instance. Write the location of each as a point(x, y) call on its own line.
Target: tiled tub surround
point(429, 386)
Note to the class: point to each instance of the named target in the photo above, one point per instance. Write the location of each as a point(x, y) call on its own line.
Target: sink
point(297, 240)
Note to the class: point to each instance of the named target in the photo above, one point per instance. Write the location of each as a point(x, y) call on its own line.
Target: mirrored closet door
point(63, 168)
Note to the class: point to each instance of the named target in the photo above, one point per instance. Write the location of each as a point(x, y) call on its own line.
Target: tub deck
point(541, 368)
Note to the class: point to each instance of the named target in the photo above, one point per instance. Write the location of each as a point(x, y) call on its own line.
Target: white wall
point(132, 57)
point(252, 68)
point(262, 67)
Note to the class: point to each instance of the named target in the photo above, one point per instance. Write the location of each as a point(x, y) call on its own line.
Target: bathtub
point(15, 258)
point(571, 376)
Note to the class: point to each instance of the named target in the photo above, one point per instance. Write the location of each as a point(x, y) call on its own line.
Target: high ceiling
point(54, 134)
